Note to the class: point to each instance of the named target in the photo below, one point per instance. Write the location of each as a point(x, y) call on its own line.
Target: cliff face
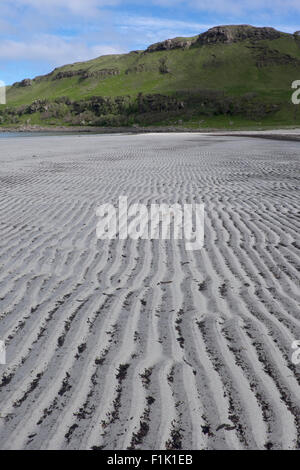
point(176, 43)
point(218, 34)
point(231, 34)
point(104, 73)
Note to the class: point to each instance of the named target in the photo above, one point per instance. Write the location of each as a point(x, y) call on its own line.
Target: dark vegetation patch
point(175, 440)
point(143, 109)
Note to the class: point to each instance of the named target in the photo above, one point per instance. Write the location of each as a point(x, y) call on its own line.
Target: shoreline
point(97, 130)
point(288, 134)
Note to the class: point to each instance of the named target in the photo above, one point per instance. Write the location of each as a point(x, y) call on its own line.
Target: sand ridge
point(141, 344)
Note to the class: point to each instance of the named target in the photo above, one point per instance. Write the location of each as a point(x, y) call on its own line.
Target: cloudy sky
point(38, 35)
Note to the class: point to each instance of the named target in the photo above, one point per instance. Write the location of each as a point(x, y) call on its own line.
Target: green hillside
point(229, 76)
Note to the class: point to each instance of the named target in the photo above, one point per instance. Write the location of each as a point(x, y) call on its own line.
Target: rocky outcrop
point(35, 107)
point(236, 33)
point(163, 66)
point(297, 37)
point(23, 83)
point(264, 56)
point(26, 82)
point(139, 68)
point(158, 103)
point(103, 73)
point(270, 57)
point(218, 34)
point(176, 43)
point(67, 74)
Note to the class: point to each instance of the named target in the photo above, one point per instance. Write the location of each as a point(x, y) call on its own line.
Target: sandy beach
point(141, 344)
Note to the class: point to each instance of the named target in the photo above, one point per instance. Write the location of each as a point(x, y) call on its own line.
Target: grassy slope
point(231, 68)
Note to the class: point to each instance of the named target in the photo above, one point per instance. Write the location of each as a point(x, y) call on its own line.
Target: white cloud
point(77, 7)
point(91, 7)
point(52, 49)
point(151, 22)
point(235, 7)
point(143, 31)
point(159, 22)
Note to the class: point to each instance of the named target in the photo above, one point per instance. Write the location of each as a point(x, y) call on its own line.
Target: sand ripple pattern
point(126, 344)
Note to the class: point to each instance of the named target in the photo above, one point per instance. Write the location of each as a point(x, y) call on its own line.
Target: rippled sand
point(141, 344)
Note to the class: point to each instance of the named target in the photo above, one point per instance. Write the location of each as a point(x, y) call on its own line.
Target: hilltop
point(228, 76)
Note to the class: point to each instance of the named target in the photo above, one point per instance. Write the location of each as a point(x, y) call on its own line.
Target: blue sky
point(38, 35)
